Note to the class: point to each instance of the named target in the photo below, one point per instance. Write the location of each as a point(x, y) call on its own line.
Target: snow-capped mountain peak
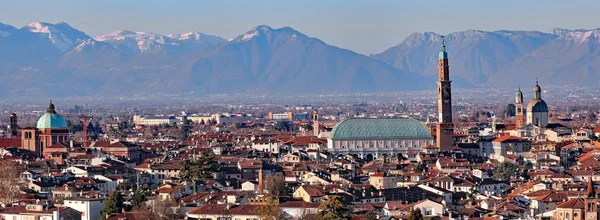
point(134, 40)
point(196, 37)
point(186, 36)
point(39, 27)
point(249, 35)
point(62, 35)
point(578, 36)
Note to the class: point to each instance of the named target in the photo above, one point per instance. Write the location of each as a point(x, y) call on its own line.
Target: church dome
point(51, 119)
point(537, 105)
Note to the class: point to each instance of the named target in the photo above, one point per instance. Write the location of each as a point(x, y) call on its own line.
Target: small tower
point(519, 111)
point(261, 185)
point(316, 126)
point(13, 125)
point(591, 202)
point(494, 123)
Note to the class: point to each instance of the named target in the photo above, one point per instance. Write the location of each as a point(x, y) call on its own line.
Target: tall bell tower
point(445, 127)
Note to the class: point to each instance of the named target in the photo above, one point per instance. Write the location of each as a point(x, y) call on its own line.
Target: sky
point(364, 26)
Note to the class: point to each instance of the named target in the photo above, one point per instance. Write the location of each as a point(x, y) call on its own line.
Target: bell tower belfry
point(519, 110)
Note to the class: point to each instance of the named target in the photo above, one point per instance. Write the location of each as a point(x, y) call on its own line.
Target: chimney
point(55, 215)
point(260, 181)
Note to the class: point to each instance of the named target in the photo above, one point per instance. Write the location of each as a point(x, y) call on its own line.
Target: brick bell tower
point(519, 110)
point(445, 127)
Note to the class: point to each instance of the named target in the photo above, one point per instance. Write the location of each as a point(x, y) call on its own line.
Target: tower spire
point(590, 188)
point(51, 108)
point(443, 54)
point(443, 44)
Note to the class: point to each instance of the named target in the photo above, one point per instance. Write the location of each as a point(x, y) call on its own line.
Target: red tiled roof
point(217, 209)
point(575, 203)
point(10, 142)
point(506, 138)
point(298, 204)
point(313, 191)
point(398, 205)
point(305, 141)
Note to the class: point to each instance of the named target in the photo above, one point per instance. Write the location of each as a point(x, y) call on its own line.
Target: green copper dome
point(51, 119)
point(364, 128)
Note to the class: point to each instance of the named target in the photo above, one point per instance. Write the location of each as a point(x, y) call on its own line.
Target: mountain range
point(504, 58)
point(57, 60)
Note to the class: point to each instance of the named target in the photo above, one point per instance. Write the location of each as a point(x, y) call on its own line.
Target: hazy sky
point(365, 26)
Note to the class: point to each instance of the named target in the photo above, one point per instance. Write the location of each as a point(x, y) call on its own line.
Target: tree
point(591, 118)
point(331, 208)
point(369, 216)
point(269, 209)
point(283, 125)
point(138, 199)
point(275, 185)
point(308, 127)
point(157, 210)
point(506, 171)
point(114, 204)
point(510, 109)
point(415, 214)
point(10, 173)
point(199, 169)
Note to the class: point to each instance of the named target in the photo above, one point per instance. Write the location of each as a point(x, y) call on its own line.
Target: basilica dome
point(365, 128)
point(51, 119)
point(537, 105)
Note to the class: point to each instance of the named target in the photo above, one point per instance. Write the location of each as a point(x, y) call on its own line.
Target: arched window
point(567, 216)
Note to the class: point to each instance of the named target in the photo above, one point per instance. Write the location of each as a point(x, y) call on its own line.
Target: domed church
point(537, 109)
point(51, 128)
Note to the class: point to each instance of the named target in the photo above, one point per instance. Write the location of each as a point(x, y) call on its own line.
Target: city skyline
point(364, 27)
